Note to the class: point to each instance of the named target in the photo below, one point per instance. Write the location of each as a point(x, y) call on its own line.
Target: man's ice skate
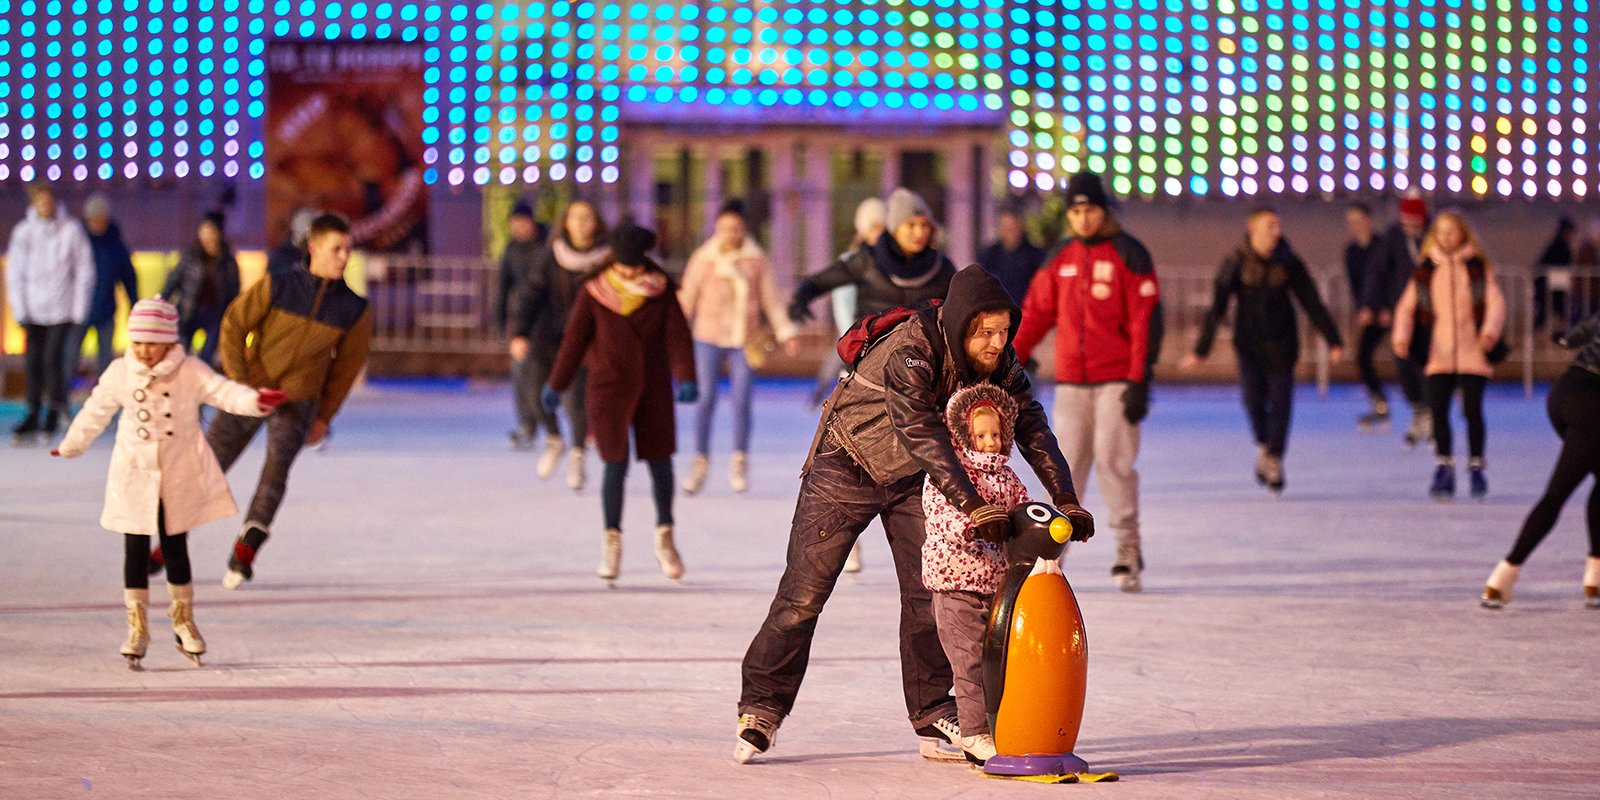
point(755, 736)
point(852, 562)
point(138, 627)
point(1443, 487)
point(667, 553)
point(1477, 479)
point(978, 749)
point(1261, 464)
point(699, 468)
point(941, 739)
point(1497, 590)
point(610, 557)
point(1125, 573)
point(553, 449)
point(1272, 474)
point(184, 631)
point(739, 472)
point(241, 564)
point(519, 440)
point(1376, 418)
point(1591, 583)
point(26, 431)
point(575, 476)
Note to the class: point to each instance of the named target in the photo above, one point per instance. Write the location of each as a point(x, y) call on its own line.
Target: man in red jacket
point(1098, 290)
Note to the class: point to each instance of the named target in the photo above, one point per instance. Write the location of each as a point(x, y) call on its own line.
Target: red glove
point(56, 453)
point(268, 399)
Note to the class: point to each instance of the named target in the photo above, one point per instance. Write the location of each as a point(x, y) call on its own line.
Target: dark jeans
point(1441, 388)
point(1572, 405)
point(1375, 338)
point(45, 363)
point(287, 428)
point(174, 555)
point(1268, 400)
point(528, 377)
point(837, 502)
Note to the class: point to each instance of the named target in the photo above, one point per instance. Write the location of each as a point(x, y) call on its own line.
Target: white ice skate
point(553, 448)
point(610, 557)
point(941, 740)
point(1125, 573)
point(667, 553)
point(696, 479)
point(755, 736)
point(184, 631)
point(852, 562)
point(739, 472)
point(1591, 583)
point(1497, 590)
point(138, 627)
point(978, 749)
point(575, 477)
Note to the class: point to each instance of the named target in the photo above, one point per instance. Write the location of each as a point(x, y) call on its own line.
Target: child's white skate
point(184, 631)
point(667, 553)
point(941, 740)
point(610, 557)
point(138, 627)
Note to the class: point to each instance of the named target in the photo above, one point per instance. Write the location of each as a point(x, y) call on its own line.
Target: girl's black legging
point(136, 556)
point(1574, 407)
point(611, 487)
point(1440, 390)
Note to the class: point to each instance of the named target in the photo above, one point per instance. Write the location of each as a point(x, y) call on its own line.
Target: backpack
point(860, 337)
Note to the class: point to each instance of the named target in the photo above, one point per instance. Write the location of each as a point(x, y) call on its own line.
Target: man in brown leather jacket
point(881, 432)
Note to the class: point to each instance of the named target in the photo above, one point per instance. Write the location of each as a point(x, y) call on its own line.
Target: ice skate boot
point(183, 630)
point(1377, 418)
point(1421, 429)
point(1478, 480)
point(1274, 474)
point(1261, 464)
point(852, 563)
point(739, 472)
point(667, 553)
point(553, 449)
point(575, 475)
point(755, 736)
point(1497, 590)
point(52, 422)
point(978, 749)
point(27, 430)
point(519, 440)
point(241, 565)
point(941, 739)
point(137, 600)
point(1444, 481)
point(696, 479)
point(1125, 573)
point(610, 556)
point(1591, 583)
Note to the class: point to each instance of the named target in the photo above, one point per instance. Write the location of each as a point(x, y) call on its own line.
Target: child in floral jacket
point(964, 572)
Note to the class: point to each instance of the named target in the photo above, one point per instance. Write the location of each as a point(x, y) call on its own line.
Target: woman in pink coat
point(1451, 317)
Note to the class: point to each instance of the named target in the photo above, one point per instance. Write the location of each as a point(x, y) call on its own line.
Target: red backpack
point(869, 329)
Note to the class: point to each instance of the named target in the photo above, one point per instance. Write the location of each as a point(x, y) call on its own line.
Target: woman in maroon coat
point(628, 326)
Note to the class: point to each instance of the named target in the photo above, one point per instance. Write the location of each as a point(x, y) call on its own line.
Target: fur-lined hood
point(959, 410)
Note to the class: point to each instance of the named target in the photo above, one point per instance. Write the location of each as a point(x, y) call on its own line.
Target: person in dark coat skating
point(1395, 256)
point(628, 327)
point(205, 281)
point(1266, 276)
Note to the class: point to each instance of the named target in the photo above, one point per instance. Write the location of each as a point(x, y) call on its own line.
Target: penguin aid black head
point(1038, 530)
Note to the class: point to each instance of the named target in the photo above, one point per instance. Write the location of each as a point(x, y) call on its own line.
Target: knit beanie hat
point(629, 244)
point(522, 209)
point(153, 321)
point(1414, 206)
point(870, 214)
point(903, 205)
point(1085, 188)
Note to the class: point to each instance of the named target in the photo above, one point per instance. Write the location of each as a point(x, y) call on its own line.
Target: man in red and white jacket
point(1098, 290)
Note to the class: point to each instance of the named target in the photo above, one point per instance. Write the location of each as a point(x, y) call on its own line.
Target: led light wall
point(1486, 98)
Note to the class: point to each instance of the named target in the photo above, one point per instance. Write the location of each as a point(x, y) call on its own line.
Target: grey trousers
point(961, 617)
point(287, 428)
point(1094, 435)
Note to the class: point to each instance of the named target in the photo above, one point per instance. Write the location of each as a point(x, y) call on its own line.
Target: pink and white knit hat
point(153, 321)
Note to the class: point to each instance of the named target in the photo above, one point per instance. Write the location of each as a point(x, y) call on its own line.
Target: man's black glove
point(800, 311)
point(1136, 402)
point(1082, 521)
point(989, 523)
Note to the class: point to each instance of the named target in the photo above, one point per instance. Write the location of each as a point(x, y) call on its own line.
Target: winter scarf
point(904, 271)
point(572, 259)
point(624, 295)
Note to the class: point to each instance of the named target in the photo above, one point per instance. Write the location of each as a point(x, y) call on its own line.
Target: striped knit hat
point(153, 321)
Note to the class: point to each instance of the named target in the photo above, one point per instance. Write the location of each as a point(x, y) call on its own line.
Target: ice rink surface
point(425, 623)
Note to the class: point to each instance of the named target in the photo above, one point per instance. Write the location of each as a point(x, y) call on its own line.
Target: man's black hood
point(972, 292)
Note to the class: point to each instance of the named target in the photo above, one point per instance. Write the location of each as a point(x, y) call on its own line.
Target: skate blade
point(233, 580)
point(194, 658)
point(940, 751)
point(133, 663)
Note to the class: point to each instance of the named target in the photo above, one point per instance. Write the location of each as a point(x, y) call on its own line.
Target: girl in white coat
point(163, 476)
